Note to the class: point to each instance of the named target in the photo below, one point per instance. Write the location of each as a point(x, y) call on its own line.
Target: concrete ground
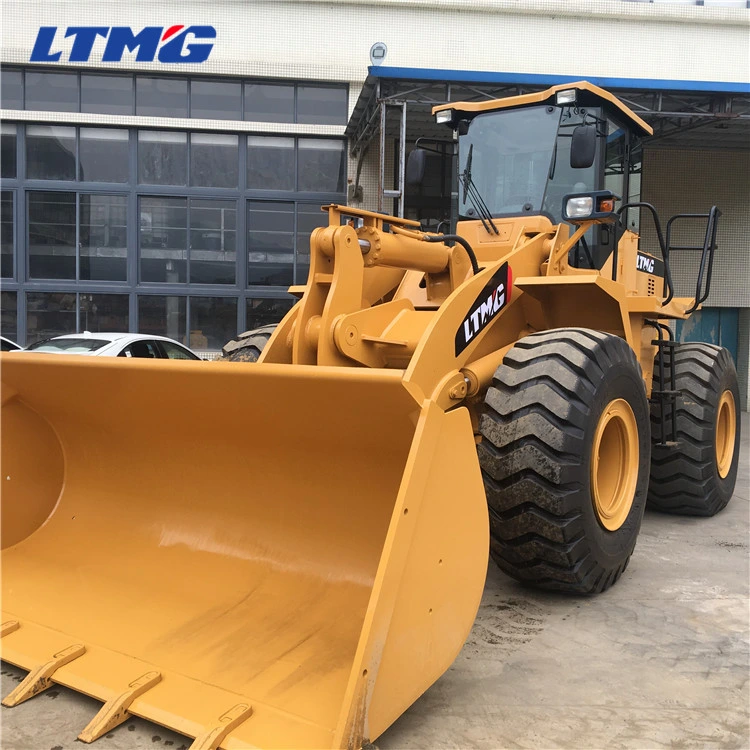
point(662, 660)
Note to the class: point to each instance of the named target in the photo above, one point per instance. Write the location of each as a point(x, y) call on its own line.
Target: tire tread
point(537, 411)
point(683, 479)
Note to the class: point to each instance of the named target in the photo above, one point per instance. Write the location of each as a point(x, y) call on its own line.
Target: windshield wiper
point(553, 163)
point(475, 198)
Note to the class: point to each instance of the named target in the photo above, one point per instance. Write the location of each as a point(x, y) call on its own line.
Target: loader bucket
point(267, 556)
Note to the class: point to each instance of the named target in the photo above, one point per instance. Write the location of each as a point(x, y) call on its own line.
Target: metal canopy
point(401, 108)
point(681, 119)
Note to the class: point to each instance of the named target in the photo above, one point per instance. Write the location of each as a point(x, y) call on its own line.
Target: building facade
point(178, 197)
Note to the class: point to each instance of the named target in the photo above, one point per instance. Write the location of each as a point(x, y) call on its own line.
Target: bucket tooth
point(40, 678)
point(9, 626)
point(227, 722)
point(115, 710)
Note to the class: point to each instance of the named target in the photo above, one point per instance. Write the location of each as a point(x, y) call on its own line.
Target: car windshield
point(71, 346)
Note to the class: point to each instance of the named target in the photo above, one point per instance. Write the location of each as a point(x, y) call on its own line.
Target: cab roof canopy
point(587, 95)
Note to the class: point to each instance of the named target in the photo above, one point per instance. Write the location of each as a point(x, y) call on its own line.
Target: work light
point(568, 96)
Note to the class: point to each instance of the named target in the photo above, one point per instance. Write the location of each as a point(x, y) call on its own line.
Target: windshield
point(518, 162)
point(71, 346)
point(512, 152)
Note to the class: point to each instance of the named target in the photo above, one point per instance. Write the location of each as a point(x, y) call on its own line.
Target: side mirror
point(583, 147)
point(415, 167)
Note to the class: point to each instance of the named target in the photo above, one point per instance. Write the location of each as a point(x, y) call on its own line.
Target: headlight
point(579, 208)
point(444, 116)
point(597, 206)
point(568, 96)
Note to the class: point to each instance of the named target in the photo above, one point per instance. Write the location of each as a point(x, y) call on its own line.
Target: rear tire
point(697, 477)
point(565, 459)
point(248, 346)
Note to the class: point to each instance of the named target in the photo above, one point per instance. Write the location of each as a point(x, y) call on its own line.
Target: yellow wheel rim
point(726, 432)
point(614, 465)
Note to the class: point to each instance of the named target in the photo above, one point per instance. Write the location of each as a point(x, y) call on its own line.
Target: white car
point(6, 345)
point(114, 345)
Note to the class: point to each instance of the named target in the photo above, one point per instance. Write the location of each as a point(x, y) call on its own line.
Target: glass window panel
point(9, 315)
point(107, 95)
point(174, 351)
point(49, 314)
point(163, 239)
point(103, 237)
point(103, 155)
point(270, 163)
point(214, 160)
point(142, 350)
point(213, 322)
point(6, 234)
point(103, 313)
point(264, 312)
point(322, 165)
point(615, 160)
point(633, 220)
point(163, 316)
point(309, 216)
point(161, 97)
point(269, 102)
point(270, 242)
point(216, 100)
point(162, 157)
point(52, 235)
point(11, 89)
point(8, 150)
point(55, 92)
point(50, 152)
point(213, 241)
point(322, 105)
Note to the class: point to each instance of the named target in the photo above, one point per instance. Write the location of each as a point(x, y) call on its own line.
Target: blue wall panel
point(713, 325)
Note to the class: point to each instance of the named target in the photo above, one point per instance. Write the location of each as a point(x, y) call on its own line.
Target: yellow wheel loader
point(287, 554)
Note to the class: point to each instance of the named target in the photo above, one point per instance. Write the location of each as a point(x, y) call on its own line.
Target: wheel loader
point(287, 554)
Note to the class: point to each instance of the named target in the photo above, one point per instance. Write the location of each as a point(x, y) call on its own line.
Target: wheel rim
point(614, 465)
point(726, 430)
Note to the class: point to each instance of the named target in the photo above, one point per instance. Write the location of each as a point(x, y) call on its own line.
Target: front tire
point(697, 476)
point(565, 459)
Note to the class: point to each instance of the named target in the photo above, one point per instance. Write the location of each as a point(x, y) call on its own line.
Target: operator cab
point(522, 156)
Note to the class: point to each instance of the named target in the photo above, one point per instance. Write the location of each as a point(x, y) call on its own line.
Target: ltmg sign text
point(170, 44)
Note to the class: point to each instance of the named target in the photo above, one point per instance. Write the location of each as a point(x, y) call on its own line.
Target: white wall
point(691, 182)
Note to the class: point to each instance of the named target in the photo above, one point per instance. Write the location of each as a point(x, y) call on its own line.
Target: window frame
point(240, 291)
point(14, 238)
point(243, 82)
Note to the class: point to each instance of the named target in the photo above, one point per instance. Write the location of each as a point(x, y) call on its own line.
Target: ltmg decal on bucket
point(494, 297)
point(167, 44)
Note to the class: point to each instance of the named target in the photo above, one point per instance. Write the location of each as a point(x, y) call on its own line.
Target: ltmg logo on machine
point(167, 44)
point(494, 297)
point(649, 264)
